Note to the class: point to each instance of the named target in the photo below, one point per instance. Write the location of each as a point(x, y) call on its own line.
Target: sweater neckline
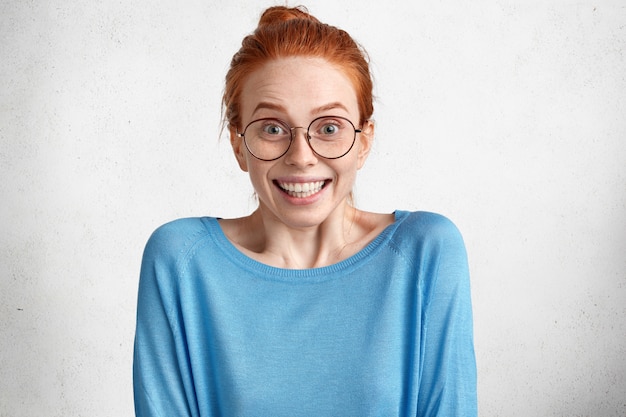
point(318, 274)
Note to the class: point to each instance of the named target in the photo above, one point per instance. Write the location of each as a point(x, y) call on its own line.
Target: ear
point(364, 142)
point(238, 148)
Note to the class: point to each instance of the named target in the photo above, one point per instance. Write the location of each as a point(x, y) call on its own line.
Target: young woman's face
point(301, 189)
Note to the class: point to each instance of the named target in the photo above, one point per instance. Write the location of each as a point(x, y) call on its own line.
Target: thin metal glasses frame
point(292, 134)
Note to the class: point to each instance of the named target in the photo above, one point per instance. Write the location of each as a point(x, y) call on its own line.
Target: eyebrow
point(268, 106)
point(282, 109)
point(330, 106)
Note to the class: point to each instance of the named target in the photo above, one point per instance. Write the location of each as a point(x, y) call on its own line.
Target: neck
point(305, 246)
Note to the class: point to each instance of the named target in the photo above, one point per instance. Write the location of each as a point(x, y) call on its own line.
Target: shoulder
point(434, 245)
point(425, 237)
point(175, 238)
point(426, 227)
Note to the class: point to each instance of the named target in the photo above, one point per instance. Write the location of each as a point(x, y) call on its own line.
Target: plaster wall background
point(506, 116)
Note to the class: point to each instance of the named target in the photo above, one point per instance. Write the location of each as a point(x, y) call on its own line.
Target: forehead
point(298, 87)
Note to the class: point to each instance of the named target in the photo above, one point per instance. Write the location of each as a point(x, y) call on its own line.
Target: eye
point(273, 129)
point(329, 129)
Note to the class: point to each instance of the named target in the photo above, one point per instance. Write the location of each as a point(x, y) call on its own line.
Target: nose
point(300, 152)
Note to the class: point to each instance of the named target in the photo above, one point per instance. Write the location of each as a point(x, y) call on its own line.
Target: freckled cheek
point(347, 171)
point(259, 178)
point(345, 181)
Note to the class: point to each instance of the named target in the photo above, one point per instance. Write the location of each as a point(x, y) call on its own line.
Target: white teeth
point(302, 189)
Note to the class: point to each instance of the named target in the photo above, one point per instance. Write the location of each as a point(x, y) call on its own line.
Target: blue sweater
point(386, 332)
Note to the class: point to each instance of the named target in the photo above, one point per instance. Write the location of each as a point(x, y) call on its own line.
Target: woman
point(308, 306)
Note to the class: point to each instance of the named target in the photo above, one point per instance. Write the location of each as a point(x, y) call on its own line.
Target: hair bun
point(279, 14)
point(285, 32)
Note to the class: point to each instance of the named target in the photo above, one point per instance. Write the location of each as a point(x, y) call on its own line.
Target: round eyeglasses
point(330, 137)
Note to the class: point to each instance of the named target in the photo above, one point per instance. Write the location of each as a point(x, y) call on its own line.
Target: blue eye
point(329, 129)
point(273, 129)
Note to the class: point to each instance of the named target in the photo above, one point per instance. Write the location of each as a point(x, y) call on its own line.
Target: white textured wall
point(507, 116)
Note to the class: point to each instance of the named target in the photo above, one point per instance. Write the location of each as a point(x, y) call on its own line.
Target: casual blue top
point(386, 332)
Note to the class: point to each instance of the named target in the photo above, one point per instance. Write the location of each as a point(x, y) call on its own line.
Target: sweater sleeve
point(448, 368)
point(161, 372)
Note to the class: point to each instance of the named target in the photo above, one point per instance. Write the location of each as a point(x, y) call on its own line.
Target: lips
point(301, 189)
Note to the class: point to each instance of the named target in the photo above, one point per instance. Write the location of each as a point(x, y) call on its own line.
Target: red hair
point(285, 32)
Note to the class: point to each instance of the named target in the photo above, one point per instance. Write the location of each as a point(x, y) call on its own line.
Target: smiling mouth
point(301, 189)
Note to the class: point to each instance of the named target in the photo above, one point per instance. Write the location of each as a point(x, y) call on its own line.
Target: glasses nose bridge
point(307, 138)
point(293, 132)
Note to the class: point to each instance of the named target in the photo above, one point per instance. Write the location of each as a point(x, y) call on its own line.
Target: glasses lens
point(331, 137)
point(267, 139)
